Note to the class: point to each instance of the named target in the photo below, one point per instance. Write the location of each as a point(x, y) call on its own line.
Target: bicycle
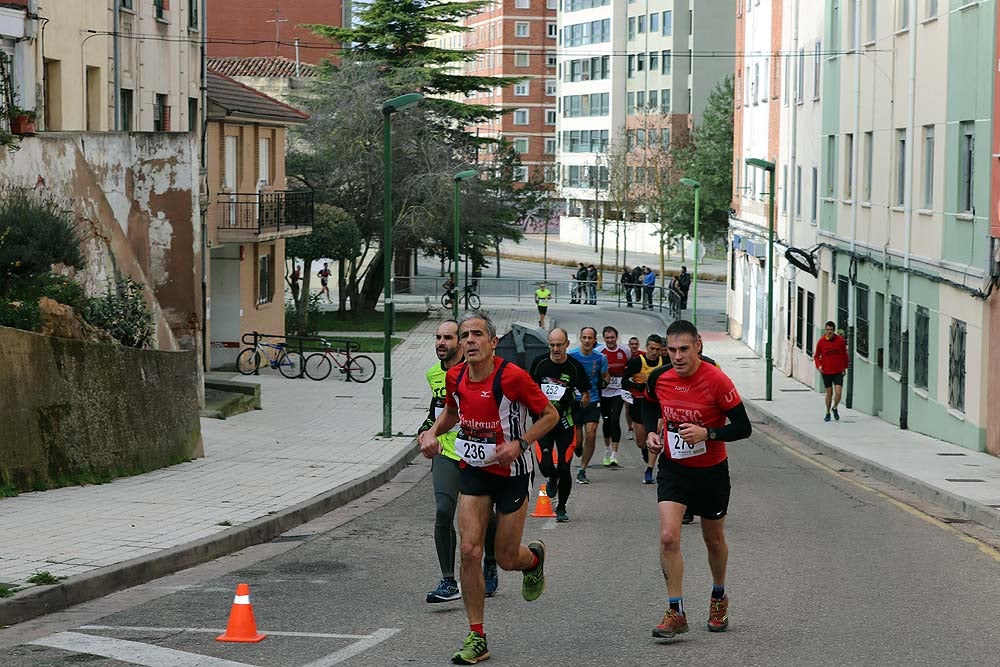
point(288, 363)
point(357, 368)
point(469, 296)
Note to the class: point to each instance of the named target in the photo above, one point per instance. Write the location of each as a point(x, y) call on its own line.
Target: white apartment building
point(630, 74)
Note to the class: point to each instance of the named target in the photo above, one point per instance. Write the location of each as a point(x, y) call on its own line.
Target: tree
point(707, 159)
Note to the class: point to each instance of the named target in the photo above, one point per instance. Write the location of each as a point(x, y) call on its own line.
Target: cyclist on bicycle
point(449, 288)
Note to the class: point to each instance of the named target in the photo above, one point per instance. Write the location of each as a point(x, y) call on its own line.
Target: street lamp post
point(691, 183)
point(389, 107)
point(459, 177)
point(769, 168)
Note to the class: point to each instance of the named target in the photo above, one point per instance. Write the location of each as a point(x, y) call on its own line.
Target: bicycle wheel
point(446, 300)
point(473, 301)
point(318, 366)
point(360, 368)
point(290, 364)
point(248, 361)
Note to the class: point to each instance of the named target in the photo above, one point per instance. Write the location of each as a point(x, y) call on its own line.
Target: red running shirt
point(831, 355)
point(484, 417)
point(702, 398)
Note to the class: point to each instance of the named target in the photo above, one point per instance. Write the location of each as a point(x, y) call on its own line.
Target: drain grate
point(959, 479)
point(950, 454)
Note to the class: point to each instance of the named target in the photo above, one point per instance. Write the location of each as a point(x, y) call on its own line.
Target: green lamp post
point(691, 183)
point(459, 177)
point(769, 168)
point(389, 107)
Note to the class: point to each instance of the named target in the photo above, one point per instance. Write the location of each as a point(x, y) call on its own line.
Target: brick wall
point(250, 23)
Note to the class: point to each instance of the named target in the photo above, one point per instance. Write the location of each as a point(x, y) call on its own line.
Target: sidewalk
point(313, 447)
point(965, 481)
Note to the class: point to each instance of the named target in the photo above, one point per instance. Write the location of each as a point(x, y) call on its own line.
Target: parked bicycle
point(288, 363)
point(355, 368)
point(469, 296)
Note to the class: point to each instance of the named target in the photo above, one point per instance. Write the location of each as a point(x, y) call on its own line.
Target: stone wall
point(72, 409)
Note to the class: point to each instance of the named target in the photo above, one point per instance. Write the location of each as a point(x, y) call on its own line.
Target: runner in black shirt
point(559, 375)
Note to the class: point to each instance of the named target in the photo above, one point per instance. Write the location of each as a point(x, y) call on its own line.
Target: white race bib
point(615, 382)
point(683, 450)
point(553, 391)
point(628, 397)
point(478, 454)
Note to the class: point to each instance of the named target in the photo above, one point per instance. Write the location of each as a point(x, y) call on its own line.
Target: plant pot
point(22, 124)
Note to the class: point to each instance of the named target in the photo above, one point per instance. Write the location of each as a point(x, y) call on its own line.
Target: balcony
point(263, 216)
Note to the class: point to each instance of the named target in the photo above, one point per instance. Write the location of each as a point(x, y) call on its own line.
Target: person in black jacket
point(626, 283)
point(684, 280)
point(581, 282)
point(637, 283)
point(592, 285)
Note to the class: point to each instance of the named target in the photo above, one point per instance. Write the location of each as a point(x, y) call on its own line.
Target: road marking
point(133, 652)
point(216, 631)
point(982, 546)
point(549, 525)
point(348, 652)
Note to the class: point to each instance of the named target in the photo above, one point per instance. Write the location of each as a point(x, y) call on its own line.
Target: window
point(125, 4)
point(665, 101)
point(193, 118)
point(966, 192)
point(921, 348)
point(550, 87)
point(161, 114)
point(861, 315)
point(631, 66)
point(895, 333)
point(814, 208)
point(788, 314)
point(640, 99)
point(629, 102)
point(666, 63)
point(550, 116)
point(552, 4)
point(835, 24)
point(904, 15)
point(160, 8)
point(817, 69)
point(640, 24)
point(932, 8)
point(866, 194)
point(654, 22)
point(798, 191)
point(872, 19)
point(665, 138)
point(928, 200)
point(522, 4)
point(651, 101)
point(810, 321)
point(521, 145)
point(550, 146)
point(520, 116)
point(763, 82)
point(521, 58)
point(631, 27)
point(265, 282)
point(900, 166)
point(550, 60)
point(264, 161)
point(521, 88)
point(521, 28)
point(800, 318)
point(755, 85)
point(852, 16)
point(640, 62)
point(956, 366)
point(788, 69)
point(800, 80)
point(830, 187)
point(849, 166)
point(126, 110)
point(521, 174)
point(654, 61)
point(193, 14)
point(843, 292)
point(784, 189)
point(668, 23)
point(551, 30)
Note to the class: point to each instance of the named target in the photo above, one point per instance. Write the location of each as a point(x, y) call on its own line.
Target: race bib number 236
point(474, 453)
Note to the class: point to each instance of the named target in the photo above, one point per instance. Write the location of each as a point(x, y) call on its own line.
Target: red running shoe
point(674, 623)
point(718, 615)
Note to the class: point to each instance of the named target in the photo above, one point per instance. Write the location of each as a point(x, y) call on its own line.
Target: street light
point(769, 168)
point(459, 177)
point(691, 183)
point(389, 107)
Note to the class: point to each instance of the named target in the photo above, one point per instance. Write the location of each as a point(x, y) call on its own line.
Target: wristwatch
point(712, 435)
point(524, 444)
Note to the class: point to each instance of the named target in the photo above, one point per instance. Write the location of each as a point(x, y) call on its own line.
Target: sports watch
point(524, 444)
point(712, 435)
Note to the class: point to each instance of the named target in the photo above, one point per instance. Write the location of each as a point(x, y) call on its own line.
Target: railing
point(261, 212)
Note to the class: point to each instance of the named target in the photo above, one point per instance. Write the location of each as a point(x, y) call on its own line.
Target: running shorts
point(705, 491)
point(508, 493)
point(584, 415)
point(833, 379)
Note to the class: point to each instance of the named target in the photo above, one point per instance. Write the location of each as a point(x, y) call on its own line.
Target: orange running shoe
point(674, 623)
point(718, 615)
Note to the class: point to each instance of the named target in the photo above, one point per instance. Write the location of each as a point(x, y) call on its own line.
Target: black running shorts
point(585, 415)
point(508, 493)
point(542, 309)
point(833, 379)
point(705, 491)
point(635, 409)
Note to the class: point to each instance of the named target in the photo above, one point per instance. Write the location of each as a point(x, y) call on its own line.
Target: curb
point(969, 509)
point(39, 600)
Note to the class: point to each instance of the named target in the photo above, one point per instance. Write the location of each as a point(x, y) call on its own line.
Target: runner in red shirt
point(611, 396)
point(831, 359)
point(688, 402)
point(490, 400)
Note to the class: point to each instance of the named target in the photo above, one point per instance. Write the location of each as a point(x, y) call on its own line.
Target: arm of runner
point(428, 440)
point(430, 419)
point(651, 420)
point(633, 366)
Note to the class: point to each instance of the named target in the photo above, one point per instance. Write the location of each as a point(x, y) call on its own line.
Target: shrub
point(312, 317)
point(122, 312)
point(33, 236)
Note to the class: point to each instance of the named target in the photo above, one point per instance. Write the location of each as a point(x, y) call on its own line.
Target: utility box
point(522, 344)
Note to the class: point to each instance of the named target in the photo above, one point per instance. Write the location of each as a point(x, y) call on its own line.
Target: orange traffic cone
point(543, 507)
point(242, 627)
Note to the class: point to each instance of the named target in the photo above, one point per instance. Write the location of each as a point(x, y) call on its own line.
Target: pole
point(545, 250)
point(770, 282)
point(298, 60)
point(694, 278)
point(454, 301)
point(387, 275)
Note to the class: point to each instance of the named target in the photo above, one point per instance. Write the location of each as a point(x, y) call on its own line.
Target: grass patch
point(366, 321)
point(7, 491)
point(44, 578)
point(6, 590)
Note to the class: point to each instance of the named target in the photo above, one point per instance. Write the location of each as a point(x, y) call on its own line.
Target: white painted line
point(134, 652)
point(354, 649)
point(217, 631)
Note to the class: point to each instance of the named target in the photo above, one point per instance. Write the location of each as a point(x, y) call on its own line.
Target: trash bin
point(522, 344)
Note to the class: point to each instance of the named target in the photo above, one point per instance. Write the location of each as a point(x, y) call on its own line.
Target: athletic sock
point(534, 561)
point(677, 604)
point(477, 627)
point(718, 592)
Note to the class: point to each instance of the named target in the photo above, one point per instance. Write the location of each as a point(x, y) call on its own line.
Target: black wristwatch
point(712, 435)
point(524, 444)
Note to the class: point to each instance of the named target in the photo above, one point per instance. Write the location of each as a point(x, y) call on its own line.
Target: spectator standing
point(637, 274)
point(626, 282)
point(581, 281)
point(684, 281)
point(649, 283)
point(592, 284)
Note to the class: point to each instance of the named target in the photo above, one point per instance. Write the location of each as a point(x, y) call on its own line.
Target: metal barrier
point(349, 345)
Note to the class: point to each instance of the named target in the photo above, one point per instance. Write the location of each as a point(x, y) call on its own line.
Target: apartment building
point(631, 76)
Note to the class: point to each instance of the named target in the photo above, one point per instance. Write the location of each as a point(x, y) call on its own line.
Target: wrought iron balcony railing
point(266, 212)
